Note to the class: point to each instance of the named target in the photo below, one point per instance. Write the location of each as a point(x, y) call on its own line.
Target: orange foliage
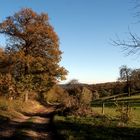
point(32, 51)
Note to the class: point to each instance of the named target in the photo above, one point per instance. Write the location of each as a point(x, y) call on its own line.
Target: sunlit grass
point(92, 128)
point(16, 108)
point(113, 113)
point(107, 126)
point(109, 111)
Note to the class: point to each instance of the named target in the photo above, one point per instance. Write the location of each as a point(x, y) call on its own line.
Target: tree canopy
point(32, 53)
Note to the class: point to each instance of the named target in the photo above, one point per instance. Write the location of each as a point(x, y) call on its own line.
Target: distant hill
point(104, 89)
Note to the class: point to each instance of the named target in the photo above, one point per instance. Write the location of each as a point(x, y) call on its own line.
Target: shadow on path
point(38, 126)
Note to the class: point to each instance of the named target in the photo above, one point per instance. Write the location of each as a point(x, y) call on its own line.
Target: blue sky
point(85, 29)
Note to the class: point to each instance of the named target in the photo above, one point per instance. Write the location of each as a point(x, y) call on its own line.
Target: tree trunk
point(26, 96)
point(129, 91)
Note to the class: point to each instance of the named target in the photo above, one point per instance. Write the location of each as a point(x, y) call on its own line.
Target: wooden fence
point(120, 99)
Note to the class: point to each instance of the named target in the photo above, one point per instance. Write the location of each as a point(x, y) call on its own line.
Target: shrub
point(7, 87)
point(55, 94)
point(86, 96)
point(4, 107)
point(95, 95)
point(124, 112)
point(77, 102)
point(5, 104)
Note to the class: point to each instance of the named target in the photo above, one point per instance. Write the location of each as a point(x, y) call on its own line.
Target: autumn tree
point(33, 49)
point(7, 86)
point(135, 78)
point(73, 82)
point(125, 75)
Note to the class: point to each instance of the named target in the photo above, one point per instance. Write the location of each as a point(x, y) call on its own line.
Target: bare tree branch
point(130, 47)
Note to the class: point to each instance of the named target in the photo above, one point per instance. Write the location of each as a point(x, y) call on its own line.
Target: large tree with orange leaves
point(33, 49)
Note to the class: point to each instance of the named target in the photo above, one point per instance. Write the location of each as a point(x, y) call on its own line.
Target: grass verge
point(98, 127)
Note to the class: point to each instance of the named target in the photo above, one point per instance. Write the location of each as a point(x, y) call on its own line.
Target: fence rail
point(117, 96)
point(114, 100)
point(136, 100)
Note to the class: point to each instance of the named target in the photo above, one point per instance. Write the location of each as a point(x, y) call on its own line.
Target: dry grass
point(16, 108)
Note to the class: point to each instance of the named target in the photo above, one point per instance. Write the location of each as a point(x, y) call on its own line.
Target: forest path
point(36, 125)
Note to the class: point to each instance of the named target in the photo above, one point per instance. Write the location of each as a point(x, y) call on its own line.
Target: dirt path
point(32, 126)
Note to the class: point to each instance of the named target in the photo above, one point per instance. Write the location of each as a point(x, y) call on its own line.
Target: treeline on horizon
point(129, 80)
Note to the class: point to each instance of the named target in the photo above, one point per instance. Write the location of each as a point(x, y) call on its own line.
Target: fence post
point(128, 109)
point(103, 108)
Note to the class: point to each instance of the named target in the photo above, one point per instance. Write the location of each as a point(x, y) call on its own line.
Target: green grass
point(109, 111)
point(107, 126)
point(92, 128)
point(112, 113)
